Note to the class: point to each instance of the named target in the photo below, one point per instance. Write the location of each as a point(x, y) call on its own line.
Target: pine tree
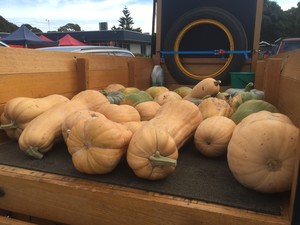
point(126, 22)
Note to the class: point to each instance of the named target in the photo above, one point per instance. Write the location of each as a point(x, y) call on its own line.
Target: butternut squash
point(19, 111)
point(207, 86)
point(133, 126)
point(147, 110)
point(213, 106)
point(97, 145)
point(166, 97)
point(120, 113)
point(153, 150)
point(74, 118)
point(42, 132)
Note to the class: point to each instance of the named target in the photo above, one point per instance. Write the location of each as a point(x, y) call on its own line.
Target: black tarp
point(23, 36)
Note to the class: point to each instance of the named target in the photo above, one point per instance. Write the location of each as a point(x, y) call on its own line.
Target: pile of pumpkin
point(149, 127)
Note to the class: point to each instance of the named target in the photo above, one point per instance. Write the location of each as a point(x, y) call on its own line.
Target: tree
point(273, 22)
point(33, 29)
point(69, 27)
point(277, 23)
point(292, 24)
point(6, 26)
point(126, 22)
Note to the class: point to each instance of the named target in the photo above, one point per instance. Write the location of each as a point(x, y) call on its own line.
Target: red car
point(285, 44)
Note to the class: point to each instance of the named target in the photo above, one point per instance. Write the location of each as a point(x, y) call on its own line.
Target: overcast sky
point(45, 14)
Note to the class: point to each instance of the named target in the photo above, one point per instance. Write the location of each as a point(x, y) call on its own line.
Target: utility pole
point(48, 24)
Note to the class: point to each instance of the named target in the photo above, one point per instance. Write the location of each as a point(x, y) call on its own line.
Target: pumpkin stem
point(11, 125)
point(217, 82)
point(33, 151)
point(248, 87)
point(158, 160)
point(274, 164)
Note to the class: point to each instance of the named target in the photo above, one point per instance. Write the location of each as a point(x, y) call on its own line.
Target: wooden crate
point(68, 200)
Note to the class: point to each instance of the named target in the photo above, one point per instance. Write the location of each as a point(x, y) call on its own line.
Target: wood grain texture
point(87, 202)
point(140, 70)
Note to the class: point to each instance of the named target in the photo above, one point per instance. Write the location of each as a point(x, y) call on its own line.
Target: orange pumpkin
point(213, 135)
point(97, 145)
point(74, 118)
point(262, 152)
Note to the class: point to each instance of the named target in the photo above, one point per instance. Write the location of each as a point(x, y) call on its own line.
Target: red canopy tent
point(68, 40)
point(45, 38)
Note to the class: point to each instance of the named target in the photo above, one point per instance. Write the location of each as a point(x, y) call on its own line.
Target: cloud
point(86, 13)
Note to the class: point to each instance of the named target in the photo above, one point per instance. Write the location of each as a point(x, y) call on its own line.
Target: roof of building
point(103, 35)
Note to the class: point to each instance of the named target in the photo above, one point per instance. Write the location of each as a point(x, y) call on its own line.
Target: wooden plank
point(37, 85)
point(13, 221)
point(272, 79)
point(259, 74)
point(26, 61)
point(105, 70)
point(158, 45)
point(294, 206)
point(100, 79)
point(83, 74)
point(140, 72)
point(256, 32)
point(61, 199)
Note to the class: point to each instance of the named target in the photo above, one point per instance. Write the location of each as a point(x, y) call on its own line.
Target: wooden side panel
point(140, 72)
point(259, 74)
point(104, 70)
point(281, 82)
point(281, 85)
point(271, 80)
point(32, 73)
point(289, 91)
point(60, 199)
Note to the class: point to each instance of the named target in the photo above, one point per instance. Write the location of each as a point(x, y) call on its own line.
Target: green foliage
point(126, 22)
point(6, 26)
point(33, 29)
point(277, 23)
point(69, 27)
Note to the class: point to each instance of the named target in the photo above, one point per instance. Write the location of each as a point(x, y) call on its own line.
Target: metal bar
point(215, 52)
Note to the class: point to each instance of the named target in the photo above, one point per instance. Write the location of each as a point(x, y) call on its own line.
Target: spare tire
point(217, 18)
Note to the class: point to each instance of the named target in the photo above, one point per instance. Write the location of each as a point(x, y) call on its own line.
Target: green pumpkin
point(234, 91)
point(244, 96)
point(136, 98)
point(252, 106)
point(183, 91)
point(129, 90)
point(114, 97)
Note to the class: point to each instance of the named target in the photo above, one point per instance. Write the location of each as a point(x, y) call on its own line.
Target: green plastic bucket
point(241, 79)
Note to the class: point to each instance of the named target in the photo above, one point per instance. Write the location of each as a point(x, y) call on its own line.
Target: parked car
point(2, 44)
point(285, 44)
point(99, 50)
